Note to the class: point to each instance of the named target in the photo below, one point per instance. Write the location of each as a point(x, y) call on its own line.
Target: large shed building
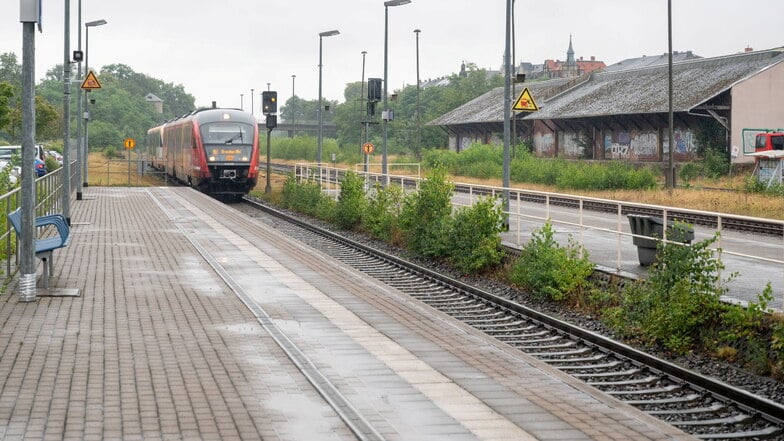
point(623, 114)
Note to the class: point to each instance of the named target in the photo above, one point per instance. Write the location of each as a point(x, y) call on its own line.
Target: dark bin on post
point(653, 226)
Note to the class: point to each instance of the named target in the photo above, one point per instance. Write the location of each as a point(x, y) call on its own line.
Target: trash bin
point(653, 226)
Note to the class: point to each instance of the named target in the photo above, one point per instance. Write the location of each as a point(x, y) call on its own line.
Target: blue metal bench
point(45, 246)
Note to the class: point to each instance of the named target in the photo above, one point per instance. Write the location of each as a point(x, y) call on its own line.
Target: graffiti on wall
point(617, 145)
point(644, 145)
point(684, 143)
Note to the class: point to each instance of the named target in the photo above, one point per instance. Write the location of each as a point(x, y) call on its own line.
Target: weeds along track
point(728, 222)
point(702, 406)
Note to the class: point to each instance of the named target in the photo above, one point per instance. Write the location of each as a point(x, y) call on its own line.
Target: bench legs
point(48, 261)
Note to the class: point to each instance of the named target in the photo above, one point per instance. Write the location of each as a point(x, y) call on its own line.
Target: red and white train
point(213, 150)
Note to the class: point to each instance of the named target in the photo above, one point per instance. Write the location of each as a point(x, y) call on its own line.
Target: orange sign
point(91, 81)
point(367, 148)
point(130, 143)
point(525, 102)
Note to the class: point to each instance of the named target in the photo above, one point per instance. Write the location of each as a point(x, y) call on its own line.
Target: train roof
point(208, 114)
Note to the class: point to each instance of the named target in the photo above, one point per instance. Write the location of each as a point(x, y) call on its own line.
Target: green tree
point(6, 93)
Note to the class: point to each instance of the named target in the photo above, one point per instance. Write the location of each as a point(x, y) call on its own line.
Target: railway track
point(728, 222)
point(701, 406)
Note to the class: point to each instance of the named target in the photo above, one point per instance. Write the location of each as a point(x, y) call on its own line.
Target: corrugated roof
point(646, 90)
point(489, 107)
point(650, 60)
point(625, 92)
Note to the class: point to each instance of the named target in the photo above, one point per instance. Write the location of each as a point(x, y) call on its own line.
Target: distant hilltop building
point(156, 102)
point(571, 67)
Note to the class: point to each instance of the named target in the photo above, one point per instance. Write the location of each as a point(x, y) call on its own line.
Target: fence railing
point(601, 227)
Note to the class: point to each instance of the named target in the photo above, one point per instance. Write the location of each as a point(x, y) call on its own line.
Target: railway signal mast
point(269, 106)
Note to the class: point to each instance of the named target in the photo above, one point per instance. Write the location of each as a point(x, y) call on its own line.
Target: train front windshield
point(228, 142)
point(227, 133)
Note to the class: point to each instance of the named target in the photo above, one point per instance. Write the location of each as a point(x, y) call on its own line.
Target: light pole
point(87, 27)
point(79, 143)
point(671, 134)
point(507, 111)
point(418, 146)
point(242, 101)
point(293, 117)
point(321, 104)
point(385, 111)
point(252, 110)
point(362, 96)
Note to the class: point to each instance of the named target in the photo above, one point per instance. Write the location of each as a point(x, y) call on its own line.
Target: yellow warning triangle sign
point(90, 81)
point(525, 102)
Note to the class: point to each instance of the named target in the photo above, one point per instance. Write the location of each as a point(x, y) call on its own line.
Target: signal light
point(269, 102)
point(374, 89)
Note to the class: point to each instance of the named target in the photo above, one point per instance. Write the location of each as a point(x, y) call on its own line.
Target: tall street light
point(385, 112)
point(507, 110)
point(87, 27)
point(252, 110)
point(293, 117)
point(418, 146)
point(362, 96)
point(321, 104)
point(79, 143)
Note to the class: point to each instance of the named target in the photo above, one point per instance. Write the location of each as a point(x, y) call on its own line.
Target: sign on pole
point(90, 81)
point(130, 143)
point(525, 102)
point(367, 148)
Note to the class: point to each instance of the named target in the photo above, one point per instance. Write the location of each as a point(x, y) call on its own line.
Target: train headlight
point(244, 158)
point(212, 159)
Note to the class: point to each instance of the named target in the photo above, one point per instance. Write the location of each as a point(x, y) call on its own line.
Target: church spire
point(570, 53)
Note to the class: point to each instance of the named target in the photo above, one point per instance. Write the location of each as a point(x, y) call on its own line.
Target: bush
point(302, 196)
point(743, 329)
point(425, 217)
point(380, 218)
point(475, 236)
point(547, 269)
point(678, 304)
point(351, 202)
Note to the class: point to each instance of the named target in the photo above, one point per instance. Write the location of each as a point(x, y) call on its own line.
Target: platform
point(177, 335)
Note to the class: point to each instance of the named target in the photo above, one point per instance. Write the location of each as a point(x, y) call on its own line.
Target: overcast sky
point(219, 50)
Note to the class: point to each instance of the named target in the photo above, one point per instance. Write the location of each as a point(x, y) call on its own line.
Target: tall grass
point(486, 162)
point(305, 149)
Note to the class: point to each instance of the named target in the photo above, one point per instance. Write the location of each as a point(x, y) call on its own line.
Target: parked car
point(7, 152)
point(40, 167)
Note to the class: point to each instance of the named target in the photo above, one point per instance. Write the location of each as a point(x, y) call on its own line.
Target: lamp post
point(362, 96)
point(418, 145)
point(507, 111)
point(252, 110)
point(671, 133)
point(321, 104)
point(242, 101)
point(385, 111)
point(79, 143)
point(87, 27)
point(293, 117)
